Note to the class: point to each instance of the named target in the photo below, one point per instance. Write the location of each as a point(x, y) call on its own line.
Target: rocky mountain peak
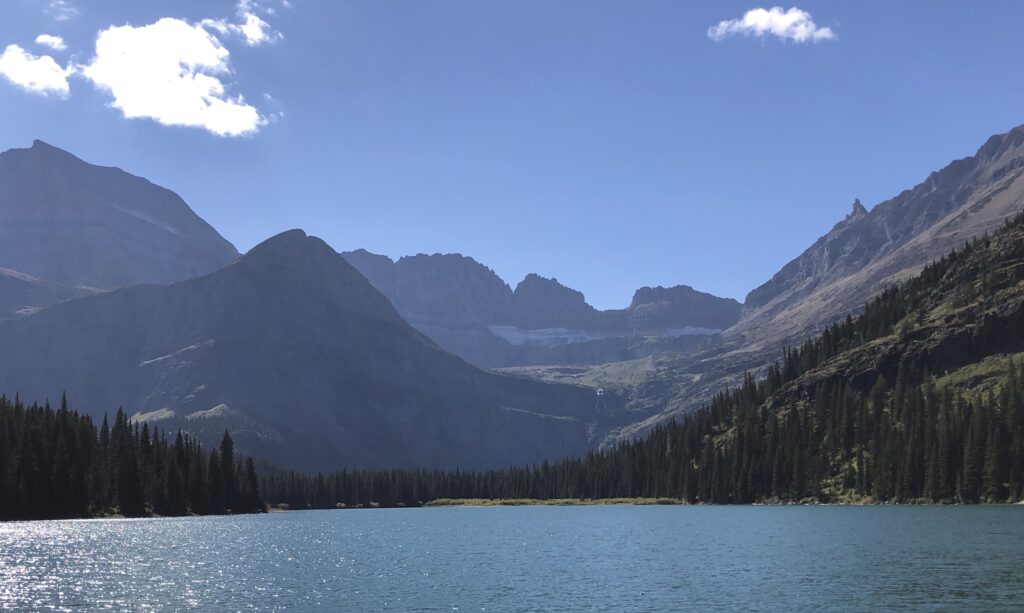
point(301, 270)
point(43, 148)
point(66, 221)
point(545, 303)
point(535, 287)
point(680, 306)
point(1000, 144)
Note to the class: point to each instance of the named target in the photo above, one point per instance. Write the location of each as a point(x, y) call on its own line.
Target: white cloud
point(170, 71)
point(39, 75)
point(62, 10)
point(793, 24)
point(253, 29)
point(257, 31)
point(53, 42)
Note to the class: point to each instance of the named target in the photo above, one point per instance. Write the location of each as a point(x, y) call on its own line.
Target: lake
point(610, 558)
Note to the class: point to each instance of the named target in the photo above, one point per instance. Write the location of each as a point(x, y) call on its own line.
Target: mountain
point(469, 310)
point(870, 250)
point(864, 253)
point(73, 225)
point(307, 364)
point(679, 307)
point(918, 400)
point(545, 303)
point(437, 288)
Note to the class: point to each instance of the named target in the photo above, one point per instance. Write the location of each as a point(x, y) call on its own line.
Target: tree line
point(902, 443)
point(55, 463)
point(898, 438)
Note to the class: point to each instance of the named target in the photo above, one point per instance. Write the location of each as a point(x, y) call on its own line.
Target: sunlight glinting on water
point(528, 558)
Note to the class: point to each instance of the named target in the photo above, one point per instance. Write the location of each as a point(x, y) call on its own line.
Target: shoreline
point(442, 503)
point(574, 502)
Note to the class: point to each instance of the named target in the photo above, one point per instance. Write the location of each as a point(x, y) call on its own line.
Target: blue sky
point(608, 144)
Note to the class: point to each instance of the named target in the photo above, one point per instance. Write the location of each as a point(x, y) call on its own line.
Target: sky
point(609, 144)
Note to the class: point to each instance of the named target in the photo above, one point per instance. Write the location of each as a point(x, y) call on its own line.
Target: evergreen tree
point(227, 471)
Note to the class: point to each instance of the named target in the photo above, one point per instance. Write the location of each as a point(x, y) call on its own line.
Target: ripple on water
point(524, 558)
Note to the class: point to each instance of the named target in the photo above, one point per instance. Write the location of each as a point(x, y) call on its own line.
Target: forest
point(908, 442)
point(58, 464)
point(900, 437)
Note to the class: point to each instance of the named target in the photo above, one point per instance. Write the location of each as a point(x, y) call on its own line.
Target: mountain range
point(470, 311)
point(116, 292)
point(296, 353)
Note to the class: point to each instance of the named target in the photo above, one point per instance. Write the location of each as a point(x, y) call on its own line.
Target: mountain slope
point(864, 253)
point(918, 399)
point(21, 294)
point(868, 251)
point(301, 357)
point(71, 223)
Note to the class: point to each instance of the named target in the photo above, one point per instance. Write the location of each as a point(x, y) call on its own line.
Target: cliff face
point(67, 222)
point(870, 250)
point(680, 307)
point(467, 309)
point(545, 303)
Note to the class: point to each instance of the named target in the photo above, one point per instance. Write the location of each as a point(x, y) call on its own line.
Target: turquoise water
point(618, 558)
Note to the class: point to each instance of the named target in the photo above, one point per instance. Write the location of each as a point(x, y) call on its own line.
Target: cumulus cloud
point(39, 75)
point(53, 42)
point(793, 24)
point(171, 71)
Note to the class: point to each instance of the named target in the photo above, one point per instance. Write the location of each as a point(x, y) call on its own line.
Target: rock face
point(546, 303)
point(302, 358)
point(467, 309)
point(680, 307)
point(870, 250)
point(863, 253)
point(68, 223)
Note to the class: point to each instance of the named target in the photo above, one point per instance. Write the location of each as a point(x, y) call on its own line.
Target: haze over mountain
point(294, 351)
point(68, 228)
point(469, 310)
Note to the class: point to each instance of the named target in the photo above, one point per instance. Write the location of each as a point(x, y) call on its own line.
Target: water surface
point(617, 558)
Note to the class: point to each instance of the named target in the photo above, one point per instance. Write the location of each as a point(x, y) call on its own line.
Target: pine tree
point(227, 471)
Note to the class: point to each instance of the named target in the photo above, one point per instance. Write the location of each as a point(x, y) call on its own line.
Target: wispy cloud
point(793, 24)
point(253, 29)
point(171, 71)
point(62, 10)
point(53, 42)
point(35, 74)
